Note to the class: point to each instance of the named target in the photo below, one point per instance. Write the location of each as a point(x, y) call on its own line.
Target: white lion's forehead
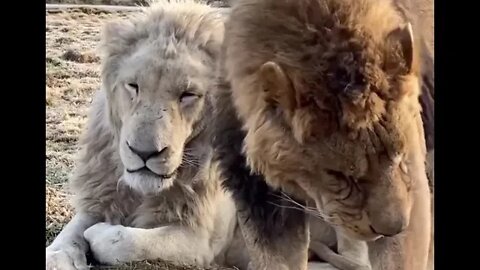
point(152, 61)
point(165, 75)
point(166, 48)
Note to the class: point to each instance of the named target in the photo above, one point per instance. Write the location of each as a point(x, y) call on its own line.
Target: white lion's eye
point(132, 88)
point(187, 98)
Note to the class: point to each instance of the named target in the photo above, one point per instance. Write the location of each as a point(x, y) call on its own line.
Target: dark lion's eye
point(336, 174)
point(341, 176)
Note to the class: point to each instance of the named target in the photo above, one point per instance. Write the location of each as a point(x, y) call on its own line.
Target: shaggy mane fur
point(346, 48)
point(97, 181)
point(349, 113)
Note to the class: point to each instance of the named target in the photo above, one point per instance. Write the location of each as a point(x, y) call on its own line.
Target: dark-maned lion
point(319, 110)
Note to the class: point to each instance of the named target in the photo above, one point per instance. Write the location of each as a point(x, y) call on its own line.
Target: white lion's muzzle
point(148, 169)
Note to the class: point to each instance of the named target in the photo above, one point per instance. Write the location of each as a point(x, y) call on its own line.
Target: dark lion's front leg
point(283, 246)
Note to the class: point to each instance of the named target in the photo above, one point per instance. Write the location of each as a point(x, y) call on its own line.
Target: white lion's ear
point(214, 44)
point(212, 33)
point(117, 36)
point(213, 48)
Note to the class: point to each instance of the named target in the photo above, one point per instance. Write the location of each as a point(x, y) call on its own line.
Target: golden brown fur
point(144, 177)
point(327, 91)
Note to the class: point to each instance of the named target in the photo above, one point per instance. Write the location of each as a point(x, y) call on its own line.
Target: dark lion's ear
point(277, 86)
point(402, 37)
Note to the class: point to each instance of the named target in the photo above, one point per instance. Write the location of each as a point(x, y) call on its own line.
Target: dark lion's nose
point(391, 229)
point(146, 155)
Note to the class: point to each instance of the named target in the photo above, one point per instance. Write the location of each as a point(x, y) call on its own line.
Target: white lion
point(144, 185)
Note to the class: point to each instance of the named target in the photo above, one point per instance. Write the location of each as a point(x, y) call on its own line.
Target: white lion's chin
point(146, 184)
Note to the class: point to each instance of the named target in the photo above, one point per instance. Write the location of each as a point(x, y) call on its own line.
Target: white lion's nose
point(148, 153)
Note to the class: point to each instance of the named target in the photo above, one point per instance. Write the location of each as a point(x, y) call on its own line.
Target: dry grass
point(72, 76)
point(125, 2)
point(99, 2)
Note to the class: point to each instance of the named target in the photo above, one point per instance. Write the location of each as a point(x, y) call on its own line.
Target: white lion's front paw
point(111, 244)
point(66, 258)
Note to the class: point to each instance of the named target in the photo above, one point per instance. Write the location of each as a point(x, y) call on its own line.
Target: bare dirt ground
point(72, 76)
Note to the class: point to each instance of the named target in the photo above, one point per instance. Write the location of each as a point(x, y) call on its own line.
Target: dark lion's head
point(328, 94)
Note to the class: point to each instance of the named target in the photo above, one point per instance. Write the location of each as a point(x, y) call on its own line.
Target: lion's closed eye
point(341, 176)
point(188, 98)
point(336, 174)
point(132, 89)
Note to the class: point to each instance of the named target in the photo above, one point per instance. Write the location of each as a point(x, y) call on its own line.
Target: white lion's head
point(157, 71)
